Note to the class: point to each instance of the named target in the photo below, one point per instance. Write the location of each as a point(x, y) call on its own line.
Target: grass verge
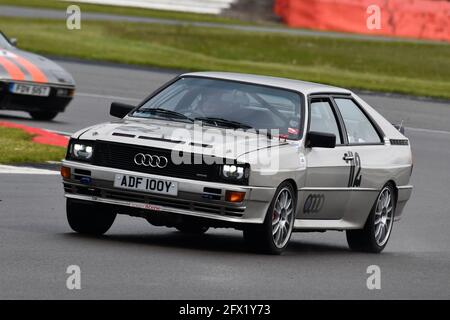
point(127, 11)
point(16, 146)
point(421, 69)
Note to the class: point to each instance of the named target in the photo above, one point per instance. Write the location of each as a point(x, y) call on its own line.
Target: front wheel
point(89, 218)
point(43, 115)
point(377, 230)
point(274, 234)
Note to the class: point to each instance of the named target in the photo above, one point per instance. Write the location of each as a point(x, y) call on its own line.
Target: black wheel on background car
point(192, 228)
point(274, 234)
point(43, 115)
point(89, 218)
point(378, 227)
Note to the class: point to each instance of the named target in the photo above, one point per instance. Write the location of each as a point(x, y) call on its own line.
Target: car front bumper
point(96, 184)
point(53, 103)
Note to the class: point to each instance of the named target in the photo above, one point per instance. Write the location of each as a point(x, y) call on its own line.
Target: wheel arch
point(394, 187)
point(294, 186)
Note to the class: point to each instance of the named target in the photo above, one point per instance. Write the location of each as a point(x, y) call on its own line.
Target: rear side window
point(323, 118)
point(359, 128)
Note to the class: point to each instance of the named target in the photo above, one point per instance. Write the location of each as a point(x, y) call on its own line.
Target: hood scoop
point(126, 135)
point(203, 145)
point(161, 139)
point(154, 138)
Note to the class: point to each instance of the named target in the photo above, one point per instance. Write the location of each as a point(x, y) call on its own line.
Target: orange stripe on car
point(13, 70)
point(36, 74)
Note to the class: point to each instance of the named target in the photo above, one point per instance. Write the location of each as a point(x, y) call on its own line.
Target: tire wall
point(421, 19)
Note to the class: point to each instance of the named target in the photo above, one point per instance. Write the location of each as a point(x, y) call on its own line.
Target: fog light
point(62, 92)
point(65, 172)
point(234, 196)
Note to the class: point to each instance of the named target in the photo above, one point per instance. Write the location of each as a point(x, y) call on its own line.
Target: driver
point(211, 105)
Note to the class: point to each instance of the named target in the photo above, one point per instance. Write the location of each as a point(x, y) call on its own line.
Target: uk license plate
point(29, 90)
point(144, 184)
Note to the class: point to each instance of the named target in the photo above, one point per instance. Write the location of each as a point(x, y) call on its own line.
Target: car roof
point(304, 87)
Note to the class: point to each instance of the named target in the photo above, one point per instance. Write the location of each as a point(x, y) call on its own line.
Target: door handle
point(348, 157)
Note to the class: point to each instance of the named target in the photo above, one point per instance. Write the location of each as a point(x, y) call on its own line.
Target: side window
point(359, 128)
point(323, 118)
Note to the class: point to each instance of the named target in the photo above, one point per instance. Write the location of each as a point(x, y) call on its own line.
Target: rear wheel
point(274, 234)
point(377, 230)
point(43, 115)
point(89, 218)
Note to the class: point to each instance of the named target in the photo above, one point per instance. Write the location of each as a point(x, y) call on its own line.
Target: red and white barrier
point(421, 19)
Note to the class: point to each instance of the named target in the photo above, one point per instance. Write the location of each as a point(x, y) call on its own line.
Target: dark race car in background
point(32, 83)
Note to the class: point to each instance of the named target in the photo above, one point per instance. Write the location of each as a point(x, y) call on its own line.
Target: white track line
point(428, 130)
point(93, 95)
point(25, 170)
point(68, 134)
point(62, 133)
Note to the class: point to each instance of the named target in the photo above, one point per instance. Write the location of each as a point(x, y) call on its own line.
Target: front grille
point(13, 101)
point(121, 156)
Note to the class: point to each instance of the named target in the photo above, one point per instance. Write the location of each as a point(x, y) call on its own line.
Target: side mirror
point(13, 42)
point(120, 110)
point(320, 140)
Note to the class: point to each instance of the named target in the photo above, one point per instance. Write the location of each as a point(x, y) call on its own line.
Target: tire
point(89, 218)
point(190, 228)
point(43, 115)
point(273, 235)
point(378, 227)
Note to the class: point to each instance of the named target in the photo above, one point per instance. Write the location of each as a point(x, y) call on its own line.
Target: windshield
point(3, 41)
point(227, 103)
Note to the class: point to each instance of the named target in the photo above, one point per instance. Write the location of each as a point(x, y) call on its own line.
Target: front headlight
point(81, 151)
point(235, 172)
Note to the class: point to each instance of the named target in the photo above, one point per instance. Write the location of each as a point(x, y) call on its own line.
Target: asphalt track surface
point(135, 260)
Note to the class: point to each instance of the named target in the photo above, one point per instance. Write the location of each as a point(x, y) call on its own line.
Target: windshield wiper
point(165, 113)
point(220, 122)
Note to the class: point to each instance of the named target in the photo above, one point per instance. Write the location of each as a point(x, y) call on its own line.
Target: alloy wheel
point(384, 216)
point(282, 218)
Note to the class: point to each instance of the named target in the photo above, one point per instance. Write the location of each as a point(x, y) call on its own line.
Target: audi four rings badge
point(149, 160)
point(314, 203)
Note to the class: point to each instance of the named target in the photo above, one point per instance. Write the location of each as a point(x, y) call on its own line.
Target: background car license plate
point(125, 181)
point(30, 90)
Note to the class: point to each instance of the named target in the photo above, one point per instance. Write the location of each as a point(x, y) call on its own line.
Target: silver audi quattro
point(265, 155)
